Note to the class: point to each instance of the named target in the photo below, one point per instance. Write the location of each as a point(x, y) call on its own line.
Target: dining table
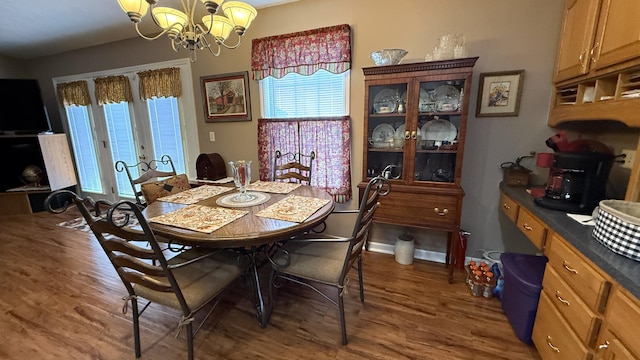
point(252, 228)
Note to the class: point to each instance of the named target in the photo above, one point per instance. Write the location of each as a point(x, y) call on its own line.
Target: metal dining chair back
point(146, 172)
point(313, 259)
point(293, 167)
point(187, 282)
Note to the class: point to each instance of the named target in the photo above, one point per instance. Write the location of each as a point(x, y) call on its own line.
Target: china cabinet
point(414, 134)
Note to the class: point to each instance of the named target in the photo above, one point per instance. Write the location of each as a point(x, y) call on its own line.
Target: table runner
point(273, 187)
point(194, 195)
point(293, 208)
point(200, 218)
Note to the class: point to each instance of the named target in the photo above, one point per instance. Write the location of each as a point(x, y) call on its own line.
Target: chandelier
point(182, 29)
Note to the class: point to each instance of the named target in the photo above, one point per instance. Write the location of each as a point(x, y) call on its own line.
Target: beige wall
point(11, 68)
point(506, 35)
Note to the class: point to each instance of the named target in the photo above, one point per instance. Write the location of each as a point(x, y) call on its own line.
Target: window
point(128, 129)
point(322, 94)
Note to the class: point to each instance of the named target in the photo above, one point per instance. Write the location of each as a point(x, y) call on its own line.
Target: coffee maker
point(576, 182)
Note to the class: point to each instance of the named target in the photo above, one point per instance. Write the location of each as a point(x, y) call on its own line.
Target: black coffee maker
point(576, 182)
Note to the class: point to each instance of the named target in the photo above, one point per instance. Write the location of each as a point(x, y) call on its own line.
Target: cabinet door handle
point(582, 58)
point(506, 206)
point(593, 52)
point(561, 299)
point(604, 346)
point(565, 264)
point(553, 347)
point(527, 227)
point(414, 134)
point(407, 135)
point(441, 213)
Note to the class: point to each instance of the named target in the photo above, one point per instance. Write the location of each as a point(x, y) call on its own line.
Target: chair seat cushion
point(156, 189)
point(199, 281)
point(318, 261)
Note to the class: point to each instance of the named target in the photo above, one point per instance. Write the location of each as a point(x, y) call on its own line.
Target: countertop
point(624, 270)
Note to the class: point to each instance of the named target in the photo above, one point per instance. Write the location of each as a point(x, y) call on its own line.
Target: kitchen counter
point(622, 269)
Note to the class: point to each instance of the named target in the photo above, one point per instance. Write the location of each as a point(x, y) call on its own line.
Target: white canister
point(404, 249)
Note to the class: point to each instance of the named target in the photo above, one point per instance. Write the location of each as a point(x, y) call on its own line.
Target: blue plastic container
point(521, 292)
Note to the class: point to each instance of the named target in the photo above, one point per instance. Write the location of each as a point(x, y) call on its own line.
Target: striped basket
point(618, 227)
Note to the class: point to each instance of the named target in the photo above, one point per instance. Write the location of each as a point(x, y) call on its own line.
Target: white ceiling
point(35, 28)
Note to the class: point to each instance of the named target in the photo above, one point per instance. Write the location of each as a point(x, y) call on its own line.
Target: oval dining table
point(250, 232)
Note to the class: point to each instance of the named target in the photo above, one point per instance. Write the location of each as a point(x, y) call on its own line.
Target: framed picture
point(226, 97)
point(499, 93)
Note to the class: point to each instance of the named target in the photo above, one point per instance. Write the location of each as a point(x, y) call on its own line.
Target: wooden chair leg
point(360, 279)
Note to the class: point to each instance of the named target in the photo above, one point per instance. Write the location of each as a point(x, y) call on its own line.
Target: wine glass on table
point(241, 171)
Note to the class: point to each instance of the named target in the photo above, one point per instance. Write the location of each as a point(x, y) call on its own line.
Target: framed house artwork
point(226, 97)
point(499, 93)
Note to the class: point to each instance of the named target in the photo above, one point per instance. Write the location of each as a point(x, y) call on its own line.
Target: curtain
point(330, 138)
point(303, 52)
point(160, 83)
point(74, 93)
point(113, 89)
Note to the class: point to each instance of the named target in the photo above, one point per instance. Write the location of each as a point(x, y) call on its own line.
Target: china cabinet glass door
point(387, 124)
point(439, 109)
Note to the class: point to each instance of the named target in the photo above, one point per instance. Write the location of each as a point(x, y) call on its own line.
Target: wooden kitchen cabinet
point(598, 63)
point(414, 134)
point(619, 338)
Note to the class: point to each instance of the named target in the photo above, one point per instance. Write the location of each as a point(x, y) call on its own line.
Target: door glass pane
point(122, 144)
point(439, 118)
point(386, 130)
point(81, 133)
point(165, 130)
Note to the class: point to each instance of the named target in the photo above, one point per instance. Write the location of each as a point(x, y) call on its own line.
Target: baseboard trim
point(420, 254)
point(433, 256)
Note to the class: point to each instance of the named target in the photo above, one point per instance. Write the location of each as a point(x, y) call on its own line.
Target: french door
point(132, 132)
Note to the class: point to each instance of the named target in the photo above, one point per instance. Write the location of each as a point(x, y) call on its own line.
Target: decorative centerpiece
point(388, 56)
point(241, 171)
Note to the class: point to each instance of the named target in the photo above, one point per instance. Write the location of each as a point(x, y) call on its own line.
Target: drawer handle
point(561, 299)
point(506, 206)
point(565, 264)
point(604, 346)
point(527, 227)
point(553, 347)
point(441, 213)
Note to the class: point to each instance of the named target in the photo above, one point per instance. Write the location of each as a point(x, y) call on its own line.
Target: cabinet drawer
point(580, 318)
point(420, 210)
point(509, 207)
point(612, 348)
point(533, 228)
point(552, 335)
point(623, 318)
point(590, 286)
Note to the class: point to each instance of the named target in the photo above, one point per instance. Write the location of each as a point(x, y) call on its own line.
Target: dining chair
point(187, 282)
point(320, 259)
point(151, 182)
point(293, 167)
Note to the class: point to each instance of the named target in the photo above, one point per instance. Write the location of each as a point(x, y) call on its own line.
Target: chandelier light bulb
point(184, 32)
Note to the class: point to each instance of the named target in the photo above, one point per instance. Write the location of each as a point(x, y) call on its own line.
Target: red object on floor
point(462, 250)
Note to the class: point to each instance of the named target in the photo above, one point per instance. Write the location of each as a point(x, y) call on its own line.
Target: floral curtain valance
point(160, 83)
point(303, 52)
point(330, 138)
point(74, 93)
point(113, 89)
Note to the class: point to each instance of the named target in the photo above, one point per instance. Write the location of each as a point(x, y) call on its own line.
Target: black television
point(23, 111)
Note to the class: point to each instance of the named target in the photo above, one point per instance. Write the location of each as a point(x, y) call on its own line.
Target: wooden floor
point(61, 299)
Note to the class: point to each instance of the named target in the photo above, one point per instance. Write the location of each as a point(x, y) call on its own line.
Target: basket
point(618, 227)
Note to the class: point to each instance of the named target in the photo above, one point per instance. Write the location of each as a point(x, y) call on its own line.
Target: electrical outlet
point(212, 136)
point(629, 158)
